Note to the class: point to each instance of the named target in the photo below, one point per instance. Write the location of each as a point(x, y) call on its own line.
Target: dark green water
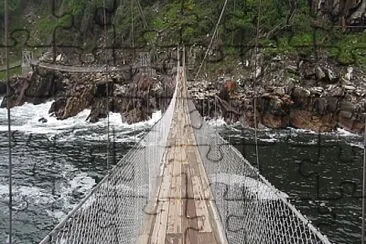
point(322, 174)
point(57, 163)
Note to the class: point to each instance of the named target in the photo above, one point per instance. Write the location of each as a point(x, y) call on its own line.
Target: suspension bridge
point(183, 183)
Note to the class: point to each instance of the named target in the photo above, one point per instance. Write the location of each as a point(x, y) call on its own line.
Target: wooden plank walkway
point(185, 211)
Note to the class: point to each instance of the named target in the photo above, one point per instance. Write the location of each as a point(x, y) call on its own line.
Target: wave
point(254, 186)
point(72, 186)
point(217, 122)
point(26, 118)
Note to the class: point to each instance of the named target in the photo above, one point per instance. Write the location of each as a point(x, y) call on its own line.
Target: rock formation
point(289, 91)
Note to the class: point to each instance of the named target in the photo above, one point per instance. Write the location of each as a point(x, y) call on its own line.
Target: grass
point(349, 49)
point(12, 72)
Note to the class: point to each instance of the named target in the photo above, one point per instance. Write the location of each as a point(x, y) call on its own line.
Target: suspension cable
point(6, 23)
point(255, 83)
point(106, 76)
point(364, 185)
point(212, 39)
point(132, 26)
point(141, 13)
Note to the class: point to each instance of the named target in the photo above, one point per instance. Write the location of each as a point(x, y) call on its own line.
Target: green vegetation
point(12, 72)
point(284, 27)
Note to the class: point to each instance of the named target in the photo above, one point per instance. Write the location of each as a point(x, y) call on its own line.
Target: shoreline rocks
point(134, 99)
point(306, 94)
point(289, 92)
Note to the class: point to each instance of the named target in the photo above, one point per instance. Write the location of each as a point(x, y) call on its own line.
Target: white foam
point(32, 194)
point(80, 184)
point(25, 119)
point(258, 188)
point(346, 133)
point(218, 122)
point(270, 140)
point(302, 131)
point(358, 145)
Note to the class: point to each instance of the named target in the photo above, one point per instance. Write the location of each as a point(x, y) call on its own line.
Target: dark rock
point(300, 96)
point(308, 72)
point(316, 91)
point(42, 120)
point(337, 92)
point(43, 88)
point(331, 76)
point(349, 88)
point(299, 92)
point(346, 106)
point(227, 89)
point(305, 119)
point(345, 114)
point(133, 116)
point(3, 88)
point(320, 75)
point(320, 105)
point(332, 104)
point(273, 121)
point(58, 107)
point(144, 82)
point(272, 104)
point(98, 110)
point(101, 88)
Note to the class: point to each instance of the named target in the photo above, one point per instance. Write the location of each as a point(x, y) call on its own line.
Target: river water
point(58, 162)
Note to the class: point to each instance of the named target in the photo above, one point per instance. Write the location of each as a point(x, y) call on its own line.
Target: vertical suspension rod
point(106, 77)
point(364, 186)
point(6, 23)
point(255, 84)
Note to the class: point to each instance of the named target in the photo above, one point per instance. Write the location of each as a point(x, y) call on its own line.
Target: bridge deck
point(184, 208)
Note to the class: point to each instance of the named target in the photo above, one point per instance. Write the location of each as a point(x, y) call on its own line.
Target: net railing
point(114, 211)
point(250, 208)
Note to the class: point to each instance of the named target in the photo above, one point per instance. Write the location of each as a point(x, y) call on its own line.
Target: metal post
point(6, 23)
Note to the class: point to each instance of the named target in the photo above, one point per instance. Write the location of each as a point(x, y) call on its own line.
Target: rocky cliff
point(284, 91)
point(346, 13)
point(289, 91)
point(133, 94)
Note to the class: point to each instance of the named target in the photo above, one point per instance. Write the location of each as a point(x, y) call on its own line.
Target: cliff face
point(289, 91)
point(344, 13)
point(135, 96)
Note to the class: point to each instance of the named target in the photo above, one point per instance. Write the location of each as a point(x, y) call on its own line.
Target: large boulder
point(42, 88)
point(3, 88)
point(18, 86)
point(227, 89)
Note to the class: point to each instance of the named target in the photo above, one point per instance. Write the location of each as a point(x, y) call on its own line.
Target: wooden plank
point(184, 201)
point(175, 202)
point(190, 220)
point(164, 193)
point(151, 209)
point(174, 238)
point(204, 237)
point(167, 175)
point(190, 208)
point(214, 215)
point(159, 232)
point(201, 209)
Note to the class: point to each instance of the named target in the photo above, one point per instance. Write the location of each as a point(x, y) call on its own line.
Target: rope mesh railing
point(114, 211)
point(250, 208)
